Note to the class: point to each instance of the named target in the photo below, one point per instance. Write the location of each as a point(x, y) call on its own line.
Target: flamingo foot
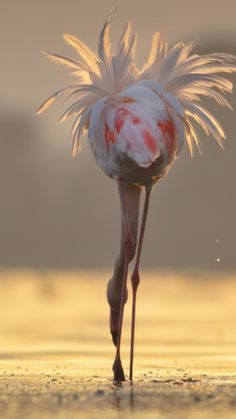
point(118, 371)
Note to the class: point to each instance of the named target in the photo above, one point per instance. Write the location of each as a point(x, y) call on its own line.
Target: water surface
point(56, 351)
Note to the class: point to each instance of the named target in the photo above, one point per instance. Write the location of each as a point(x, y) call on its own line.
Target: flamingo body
point(133, 135)
point(137, 122)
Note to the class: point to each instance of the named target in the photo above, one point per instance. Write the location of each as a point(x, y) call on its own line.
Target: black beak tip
point(114, 337)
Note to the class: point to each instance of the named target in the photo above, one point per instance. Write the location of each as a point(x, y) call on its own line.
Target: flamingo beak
point(114, 325)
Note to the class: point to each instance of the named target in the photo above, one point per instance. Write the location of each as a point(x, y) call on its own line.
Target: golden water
point(56, 351)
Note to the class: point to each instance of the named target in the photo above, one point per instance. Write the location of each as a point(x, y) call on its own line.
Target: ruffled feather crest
point(188, 77)
point(179, 77)
point(97, 75)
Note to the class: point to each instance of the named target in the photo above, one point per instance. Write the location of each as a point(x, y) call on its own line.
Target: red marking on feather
point(127, 99)
point(167, 129)
point(121, 116)
point(150, 141)
point(123, 112)
point(119, 122)
point(135, 120)
point(162, 127)
point(109, 135)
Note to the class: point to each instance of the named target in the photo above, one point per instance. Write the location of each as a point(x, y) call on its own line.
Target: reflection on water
point(93, 400)
point(56, 352)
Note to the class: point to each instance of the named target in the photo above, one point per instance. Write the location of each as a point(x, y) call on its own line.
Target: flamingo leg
point(117, 366)
point(135, 278)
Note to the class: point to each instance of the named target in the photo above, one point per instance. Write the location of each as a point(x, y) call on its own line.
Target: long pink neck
point(132, 198)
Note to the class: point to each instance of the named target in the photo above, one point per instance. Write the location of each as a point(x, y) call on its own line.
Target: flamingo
point(137, 121)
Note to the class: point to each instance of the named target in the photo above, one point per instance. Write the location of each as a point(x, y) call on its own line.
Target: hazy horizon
point(59, 212)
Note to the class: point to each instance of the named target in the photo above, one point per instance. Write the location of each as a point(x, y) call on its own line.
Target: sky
point(60, 212)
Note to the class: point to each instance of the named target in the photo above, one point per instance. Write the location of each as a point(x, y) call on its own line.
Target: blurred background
point(63, 213)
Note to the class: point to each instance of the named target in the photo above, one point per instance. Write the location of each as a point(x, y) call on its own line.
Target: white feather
point(88, 56)
point(51, 99)
point(171, 82)
point(68, 62)
point(207, 121)
point(124, 41)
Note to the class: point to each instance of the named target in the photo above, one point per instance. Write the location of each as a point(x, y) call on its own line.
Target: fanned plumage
point(178, 78)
